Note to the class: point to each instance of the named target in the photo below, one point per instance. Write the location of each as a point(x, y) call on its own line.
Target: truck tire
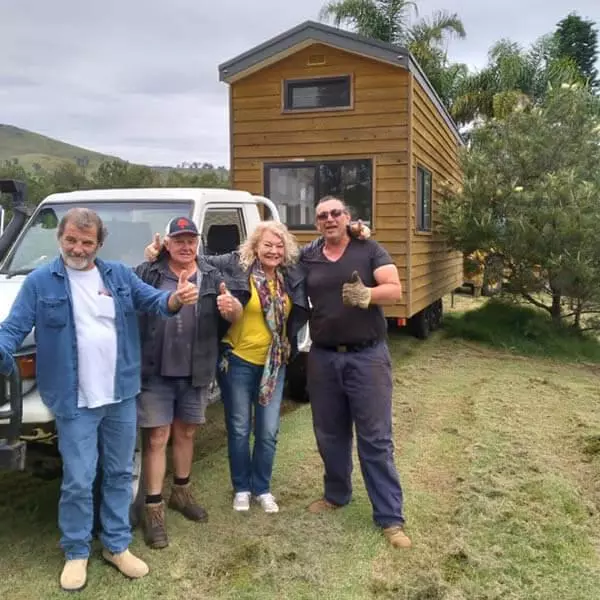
point(420, 324)
point(296, 378)
point(436, 315)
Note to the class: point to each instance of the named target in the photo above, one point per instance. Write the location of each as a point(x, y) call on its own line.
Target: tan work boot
point(183, 501)
point(321, 505)
point(153, 523)
point(396, 537)
point(131, 566)
point(74, 575)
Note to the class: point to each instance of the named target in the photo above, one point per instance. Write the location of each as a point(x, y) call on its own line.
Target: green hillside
point(30, 149)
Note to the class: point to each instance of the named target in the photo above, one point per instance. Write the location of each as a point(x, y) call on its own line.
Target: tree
point(576, 39)
point(110, 174)
point(120, 174)
point(531, 197)
point(198, 178)
point(389, 21)
point(67, 177)
point(514, 77)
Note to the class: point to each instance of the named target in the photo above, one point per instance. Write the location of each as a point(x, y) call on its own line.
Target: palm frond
point(438, 28)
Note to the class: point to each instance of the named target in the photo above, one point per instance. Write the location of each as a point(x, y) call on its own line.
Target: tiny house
point(317, 111)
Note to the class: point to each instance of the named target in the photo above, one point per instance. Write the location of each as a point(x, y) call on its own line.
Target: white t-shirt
point(94, 314)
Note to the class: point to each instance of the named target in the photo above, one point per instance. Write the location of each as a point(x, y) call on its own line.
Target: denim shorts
point(163, 399)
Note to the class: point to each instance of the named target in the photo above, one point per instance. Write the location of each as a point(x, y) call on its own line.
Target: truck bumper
point(12, 449)
point(12, 456)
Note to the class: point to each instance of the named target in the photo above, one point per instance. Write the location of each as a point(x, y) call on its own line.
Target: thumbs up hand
point(355, 292)
point(186, 292)
point(229, 307)
point(151, 251)
point(359, 230)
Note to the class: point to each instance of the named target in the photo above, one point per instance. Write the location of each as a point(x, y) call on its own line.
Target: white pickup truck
point(132, 216)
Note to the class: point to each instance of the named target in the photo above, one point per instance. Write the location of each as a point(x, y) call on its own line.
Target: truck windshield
point(131, 226)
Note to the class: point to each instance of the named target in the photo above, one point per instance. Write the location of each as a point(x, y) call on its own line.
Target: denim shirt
point(45, 302)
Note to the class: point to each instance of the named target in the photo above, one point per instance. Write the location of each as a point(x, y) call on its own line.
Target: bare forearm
point(386, 293)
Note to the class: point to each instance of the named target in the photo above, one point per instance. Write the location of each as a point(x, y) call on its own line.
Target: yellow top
point(250, 336)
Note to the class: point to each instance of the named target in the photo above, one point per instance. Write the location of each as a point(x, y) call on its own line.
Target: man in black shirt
point(349, 366)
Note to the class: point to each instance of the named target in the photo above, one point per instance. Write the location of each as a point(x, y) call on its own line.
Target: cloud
point(139, 78)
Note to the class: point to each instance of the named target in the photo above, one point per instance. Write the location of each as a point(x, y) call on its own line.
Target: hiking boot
point(183, 501)
point(153, 523)
point(267, 501)
point(396, 537)
point(131, 566)
point(74, 575)
point(321, 505)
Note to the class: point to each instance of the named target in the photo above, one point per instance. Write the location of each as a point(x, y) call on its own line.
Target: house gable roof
point(311, 32)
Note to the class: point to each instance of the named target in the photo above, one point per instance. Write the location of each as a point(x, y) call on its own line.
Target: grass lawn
point(500, 461)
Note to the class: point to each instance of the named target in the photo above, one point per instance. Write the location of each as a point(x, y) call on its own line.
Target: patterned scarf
point(273, 306)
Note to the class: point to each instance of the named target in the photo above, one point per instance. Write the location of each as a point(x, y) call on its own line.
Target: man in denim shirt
point(88, 373)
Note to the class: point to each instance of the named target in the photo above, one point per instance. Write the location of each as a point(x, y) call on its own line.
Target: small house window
point(424, 199)
point(296, 188)
point(325, 92)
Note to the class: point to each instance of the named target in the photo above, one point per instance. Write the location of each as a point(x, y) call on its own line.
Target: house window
point(326, 92)
point(295, 189)
point(424, 199)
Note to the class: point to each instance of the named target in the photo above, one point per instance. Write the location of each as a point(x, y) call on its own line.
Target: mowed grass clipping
point(522, 329)
point(501, 476)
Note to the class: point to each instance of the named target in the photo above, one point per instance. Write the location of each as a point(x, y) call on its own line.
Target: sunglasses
point(335, 213)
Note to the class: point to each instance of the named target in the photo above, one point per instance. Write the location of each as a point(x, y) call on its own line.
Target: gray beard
point(77, 264)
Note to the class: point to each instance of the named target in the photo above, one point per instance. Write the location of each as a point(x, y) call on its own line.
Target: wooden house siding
point(375, 127)
point(434, 269)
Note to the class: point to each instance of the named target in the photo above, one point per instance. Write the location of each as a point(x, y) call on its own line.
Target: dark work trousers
point(347, 387)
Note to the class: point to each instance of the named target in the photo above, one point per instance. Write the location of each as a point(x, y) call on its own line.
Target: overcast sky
point(139, 79)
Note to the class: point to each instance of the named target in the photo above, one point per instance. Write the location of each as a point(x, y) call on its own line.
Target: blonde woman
point(265, 302)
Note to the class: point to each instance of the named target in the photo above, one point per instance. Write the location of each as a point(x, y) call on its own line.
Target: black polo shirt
point(331, 322)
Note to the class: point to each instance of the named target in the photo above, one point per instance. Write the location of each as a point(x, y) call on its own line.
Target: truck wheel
point(436, 315)
point(420, 324)
point(296, 378)
point(137, 488)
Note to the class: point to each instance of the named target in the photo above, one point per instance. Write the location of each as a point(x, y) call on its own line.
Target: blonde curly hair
point(247, 249)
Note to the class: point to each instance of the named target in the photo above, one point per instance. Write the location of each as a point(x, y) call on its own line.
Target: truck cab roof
point(153, 194)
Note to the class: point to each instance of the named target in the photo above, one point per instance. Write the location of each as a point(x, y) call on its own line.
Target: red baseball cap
point(181, 225)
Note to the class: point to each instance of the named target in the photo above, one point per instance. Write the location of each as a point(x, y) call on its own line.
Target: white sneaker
point(241, 501)
point(267, 501)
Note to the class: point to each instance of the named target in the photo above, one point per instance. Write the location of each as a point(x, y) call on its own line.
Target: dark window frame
point(315, 164)
point(424, 219)
point(290, 84)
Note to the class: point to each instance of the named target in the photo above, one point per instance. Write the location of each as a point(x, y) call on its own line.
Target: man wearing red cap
point(179, 359)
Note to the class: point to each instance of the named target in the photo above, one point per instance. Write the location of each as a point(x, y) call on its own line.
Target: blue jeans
point(239, 382)
point(110, 430)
